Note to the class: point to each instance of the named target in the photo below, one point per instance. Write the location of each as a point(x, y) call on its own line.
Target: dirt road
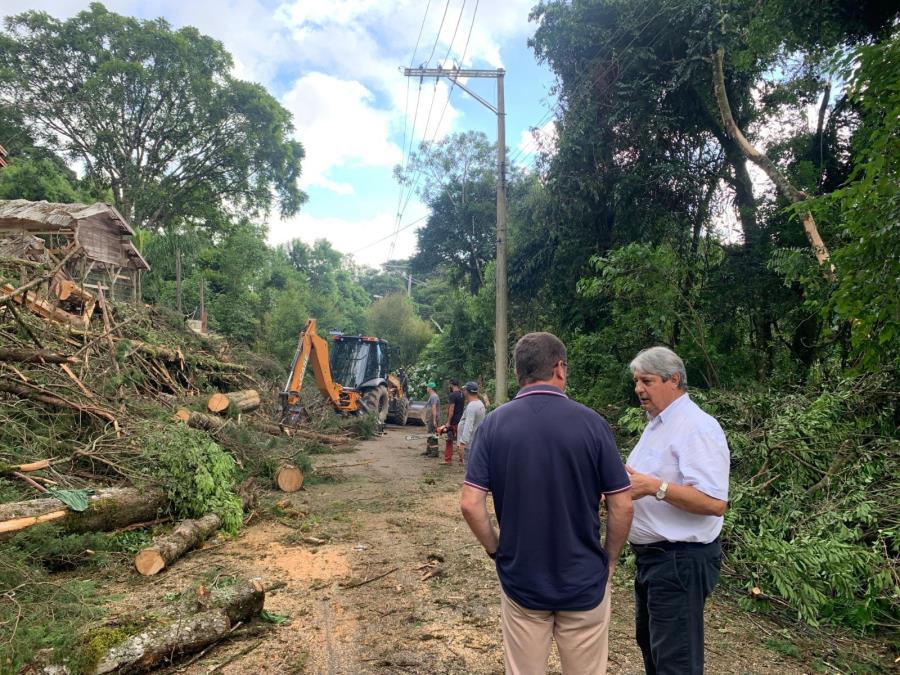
point(383, 576)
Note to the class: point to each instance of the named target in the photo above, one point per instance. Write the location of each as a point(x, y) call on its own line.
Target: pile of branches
point(81, 393)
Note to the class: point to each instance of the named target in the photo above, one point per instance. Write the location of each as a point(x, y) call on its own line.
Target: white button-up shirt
point(685, 446)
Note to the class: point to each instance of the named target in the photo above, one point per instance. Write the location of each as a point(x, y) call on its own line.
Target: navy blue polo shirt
point(547, 460)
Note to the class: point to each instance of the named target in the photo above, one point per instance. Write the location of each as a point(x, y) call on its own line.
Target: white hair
point(660, 361)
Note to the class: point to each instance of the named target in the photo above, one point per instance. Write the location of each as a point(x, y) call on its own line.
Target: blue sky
point(334, 64)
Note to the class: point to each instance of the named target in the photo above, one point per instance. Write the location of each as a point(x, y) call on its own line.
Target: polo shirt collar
point(665, 414)
point(532, 389)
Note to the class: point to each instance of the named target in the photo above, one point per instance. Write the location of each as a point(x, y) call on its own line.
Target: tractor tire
point(376, 400)
point(404, 412)
point(400, 413)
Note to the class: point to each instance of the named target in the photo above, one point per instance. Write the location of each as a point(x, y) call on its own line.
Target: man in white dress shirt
point(679, 483)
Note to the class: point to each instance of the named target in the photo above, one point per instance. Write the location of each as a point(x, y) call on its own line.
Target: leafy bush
point(197, 474)
point(811, 521)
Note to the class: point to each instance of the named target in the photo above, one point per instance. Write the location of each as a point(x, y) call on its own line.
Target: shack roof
point(99, 228)
point(21, 214)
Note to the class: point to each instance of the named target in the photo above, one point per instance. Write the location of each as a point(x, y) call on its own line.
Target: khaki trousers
point(582, 638)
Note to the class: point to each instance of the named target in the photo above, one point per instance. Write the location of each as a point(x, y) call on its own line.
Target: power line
point(405, 227)
point(438, 36)
point(412, 186)
point(446, 105)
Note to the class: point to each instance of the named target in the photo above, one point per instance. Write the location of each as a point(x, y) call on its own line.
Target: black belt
point(671, 546)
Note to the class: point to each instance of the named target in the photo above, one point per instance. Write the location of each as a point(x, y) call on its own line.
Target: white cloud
point(338, 126)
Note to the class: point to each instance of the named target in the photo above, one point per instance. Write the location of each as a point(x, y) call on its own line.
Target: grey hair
point(660, 361)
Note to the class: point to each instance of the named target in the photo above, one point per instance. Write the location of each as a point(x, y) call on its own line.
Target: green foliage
point(48, 546)
point(810, 515)
point(394, 319)
point(197, 474)
point(38, 179)
point(459, 187)
point(38, 612)
point(187, 135)
point(868, 261)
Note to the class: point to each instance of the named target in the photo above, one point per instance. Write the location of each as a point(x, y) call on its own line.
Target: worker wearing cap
point(432, 415)
point(472, 417)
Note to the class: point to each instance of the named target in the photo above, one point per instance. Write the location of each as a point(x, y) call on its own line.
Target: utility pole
point(409, 284)
point(501, 358)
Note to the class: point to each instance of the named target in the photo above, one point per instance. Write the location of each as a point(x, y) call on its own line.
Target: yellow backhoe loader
point(356, 377)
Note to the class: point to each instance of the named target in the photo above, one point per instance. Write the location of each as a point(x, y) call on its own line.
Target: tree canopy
point(153, 114)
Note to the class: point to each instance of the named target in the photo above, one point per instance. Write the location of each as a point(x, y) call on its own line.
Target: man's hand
point(642, 484)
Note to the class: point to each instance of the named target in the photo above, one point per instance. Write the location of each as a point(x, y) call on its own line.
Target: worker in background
point(432, 417)
point(547, 461)
point(472, 417)
point(679, 484)
point(455, 405)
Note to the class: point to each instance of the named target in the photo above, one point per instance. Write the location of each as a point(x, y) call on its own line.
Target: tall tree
point(152, 113)
point(456, 179)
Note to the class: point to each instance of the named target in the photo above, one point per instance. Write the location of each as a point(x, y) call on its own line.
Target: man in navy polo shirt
point(548, 461)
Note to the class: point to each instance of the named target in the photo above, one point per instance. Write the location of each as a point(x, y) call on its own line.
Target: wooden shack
point(109, 259)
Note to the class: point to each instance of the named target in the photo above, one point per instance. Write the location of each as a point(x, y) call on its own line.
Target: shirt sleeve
point(613, 477)
point(478, 473)
point(705, 462)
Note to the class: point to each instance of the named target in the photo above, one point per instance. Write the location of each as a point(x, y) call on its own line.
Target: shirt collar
point(532, 389)
point(666, 413)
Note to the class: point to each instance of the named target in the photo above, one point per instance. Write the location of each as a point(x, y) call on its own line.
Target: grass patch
point(39, 613)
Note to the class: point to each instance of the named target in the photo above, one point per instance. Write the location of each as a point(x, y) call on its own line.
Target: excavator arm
point(311, 347)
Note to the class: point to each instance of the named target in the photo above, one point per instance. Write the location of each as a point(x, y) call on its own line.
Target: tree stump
point(289, 477)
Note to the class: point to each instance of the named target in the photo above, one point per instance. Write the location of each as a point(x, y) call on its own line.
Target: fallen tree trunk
point(289, 477)
point(197, 420)
point(272, 428)
point(34, 356)
point(187, 535)
point(168, 548)
point(245, 400)
point(220, 611)
point(143, 652)
point(108, 509)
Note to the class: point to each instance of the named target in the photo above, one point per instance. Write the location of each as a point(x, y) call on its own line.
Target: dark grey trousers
point(671, 585)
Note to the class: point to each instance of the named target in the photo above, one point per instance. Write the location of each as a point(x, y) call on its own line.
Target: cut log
point(197, 420)
point(108, 509)
point(289, 477)
point(272, 429)
point(170, 547)
point(182, 414)
point(187, 535)
point(245, 400)
point(219, 611)
point(34, 356)
point(143, 652)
